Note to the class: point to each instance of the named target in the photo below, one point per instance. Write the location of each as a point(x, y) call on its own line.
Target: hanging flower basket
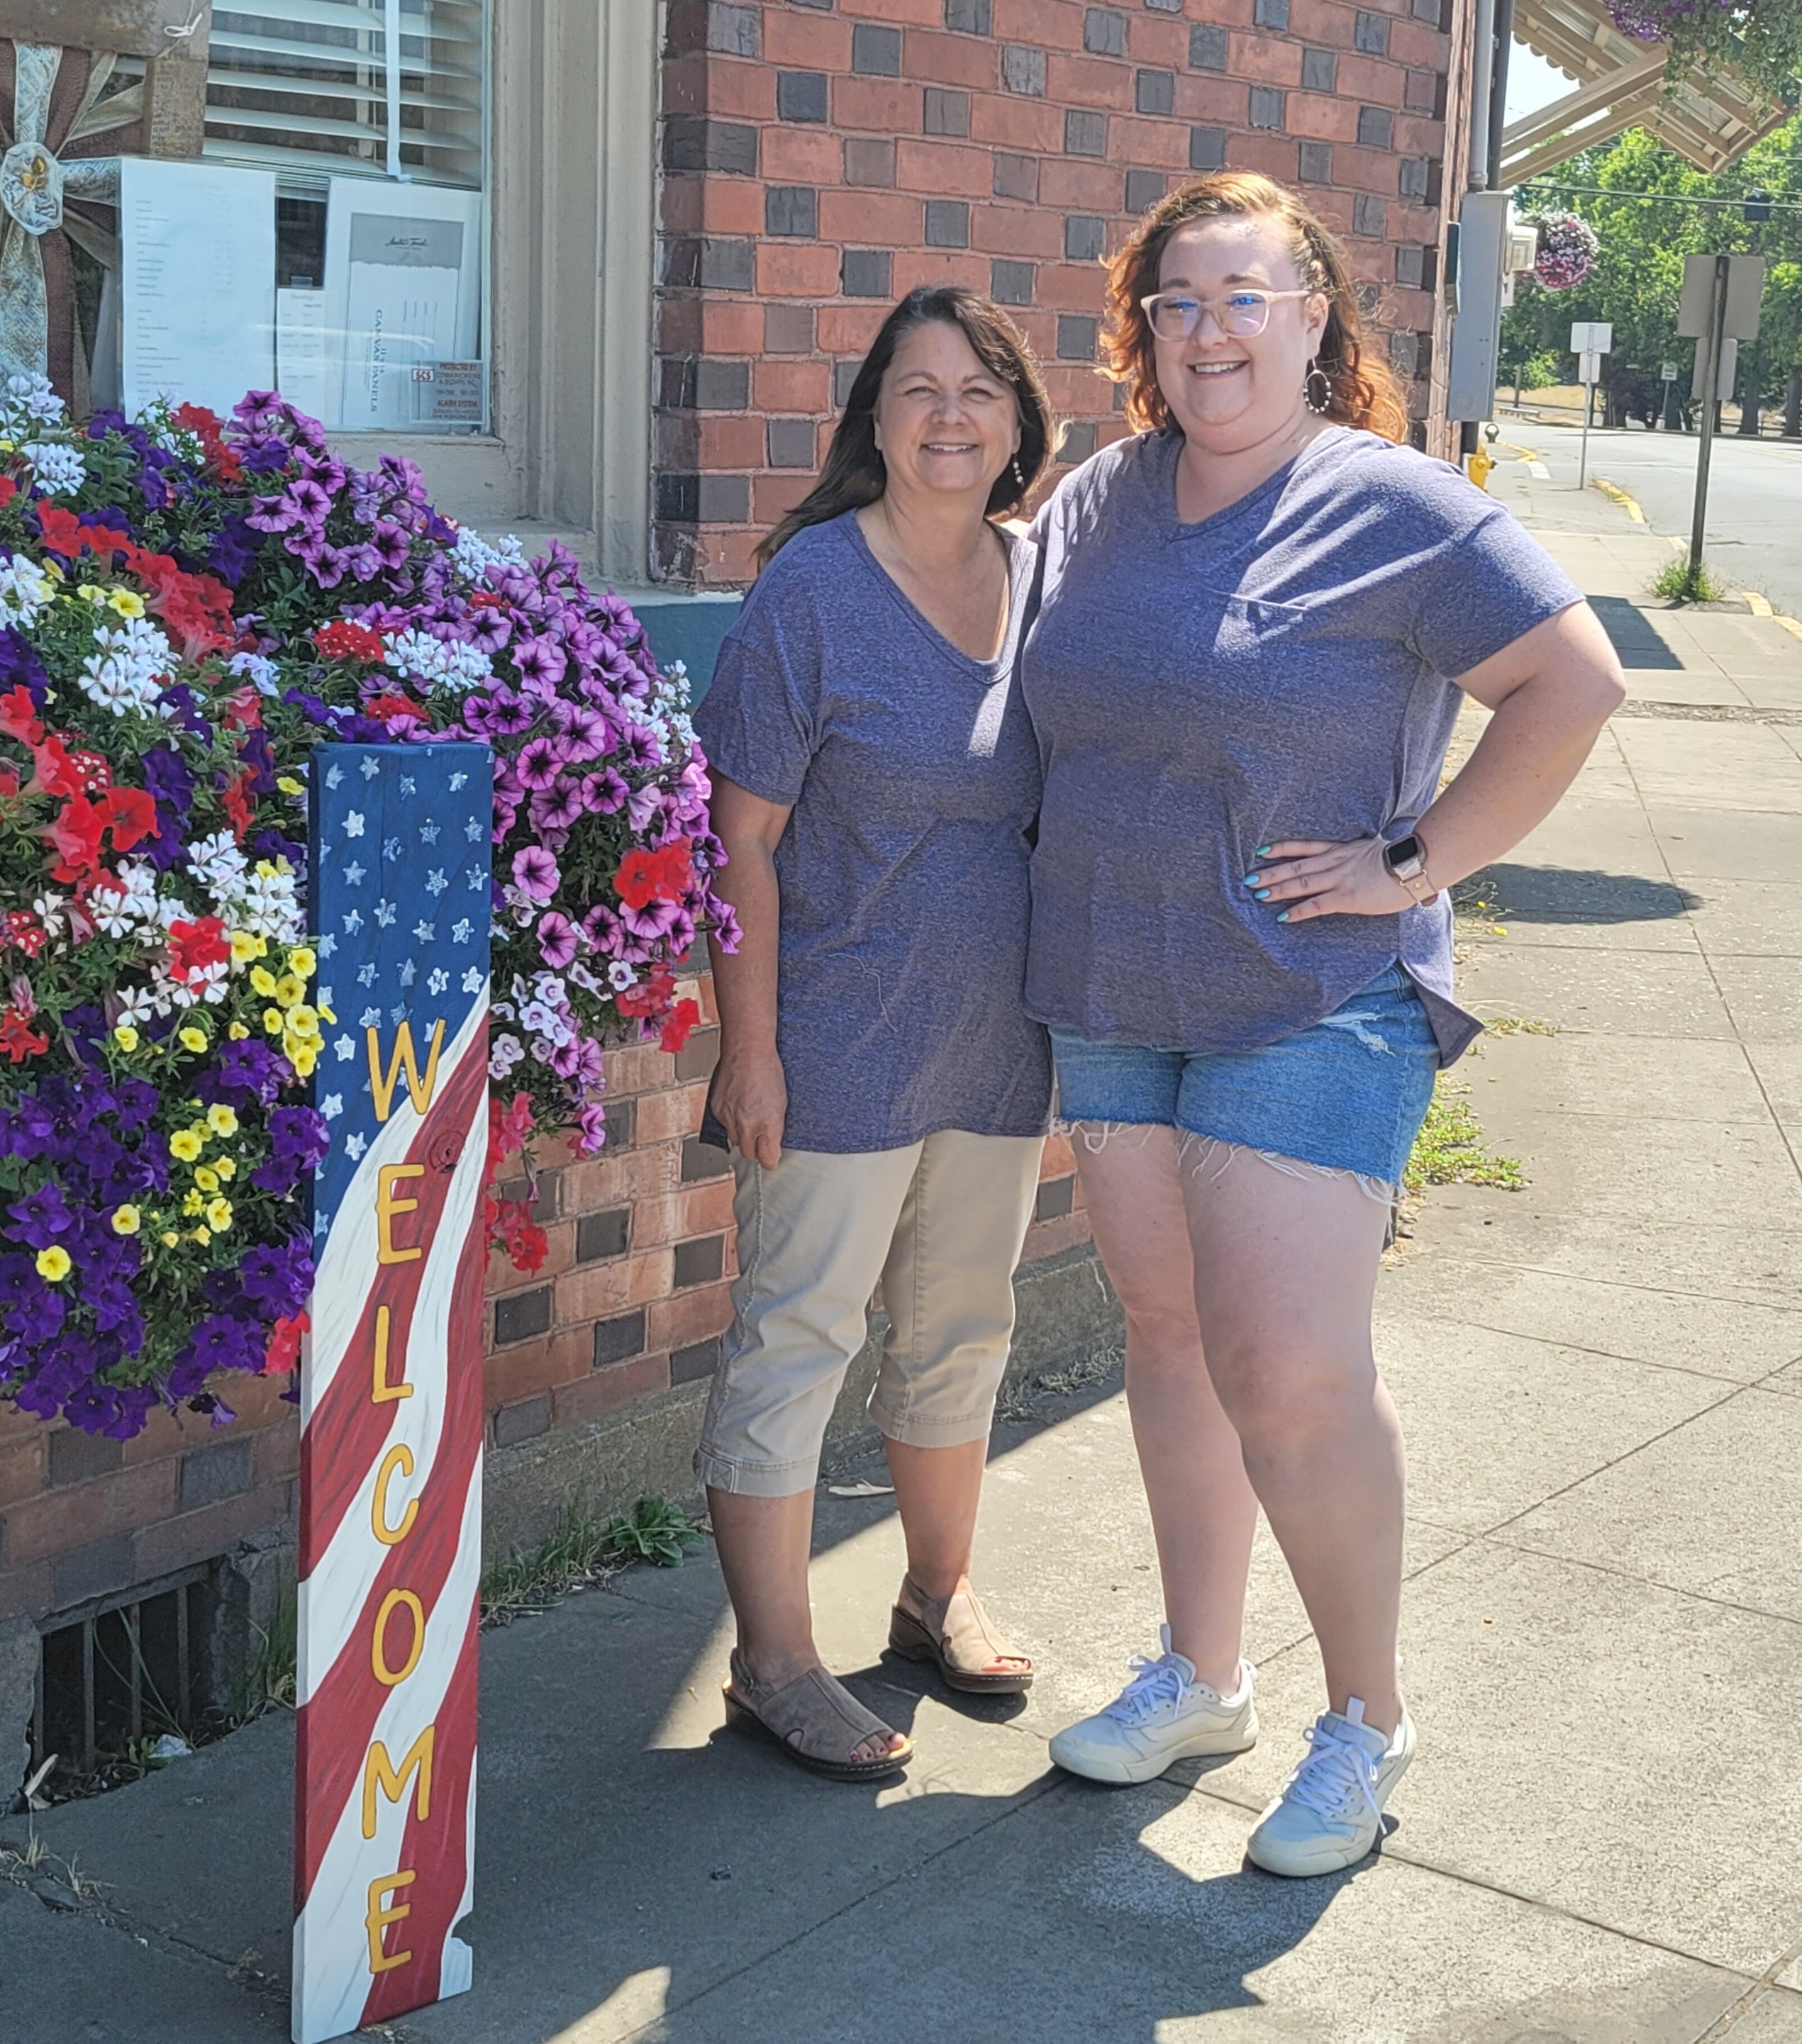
point(186, 608)
point(1568, 249)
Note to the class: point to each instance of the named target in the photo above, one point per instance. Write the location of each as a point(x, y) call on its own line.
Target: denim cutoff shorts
point(1349, 1094)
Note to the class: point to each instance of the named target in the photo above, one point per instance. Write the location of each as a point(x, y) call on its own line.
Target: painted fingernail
point(1264, 894)
point(1263, 852)
point(1251, 879)
point(1283, 917)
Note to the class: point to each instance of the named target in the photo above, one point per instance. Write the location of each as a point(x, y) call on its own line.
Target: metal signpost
point(391, 1386)
point(1718, 309)
point(1590, 339)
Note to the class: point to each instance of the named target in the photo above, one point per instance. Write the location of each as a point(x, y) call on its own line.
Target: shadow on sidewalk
point(1568, 894)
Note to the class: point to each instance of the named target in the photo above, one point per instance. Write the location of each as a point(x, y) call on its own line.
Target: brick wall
point(632, 1300)
point(822, 157)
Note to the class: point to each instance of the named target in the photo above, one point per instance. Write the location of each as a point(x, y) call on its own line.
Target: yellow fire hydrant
point(1478, 466)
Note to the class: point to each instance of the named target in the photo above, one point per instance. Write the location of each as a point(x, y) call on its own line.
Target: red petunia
point(18, 1040)
point(9, 490)
point(195, 946)
point(283, 1351)
point(678, 1024)
point(18, 719)
point(644, 877)
point(342, 639)
point(130, 814)
point(74, 835)
point(236, 799)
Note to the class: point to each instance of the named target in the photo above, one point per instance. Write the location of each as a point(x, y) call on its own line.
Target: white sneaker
point(1331, 1811)
point(1164, 1715)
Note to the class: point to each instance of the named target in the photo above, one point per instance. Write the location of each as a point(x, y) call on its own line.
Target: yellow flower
point(262, 980)
point(124, 1035)
point(301, 961)
point(289, 786)
point(303, 1021)
point(219, 1216)
point(126, 1220)
point(225, 1169)
point(221, 1120)
point(125, 603)
point(207, 1179)
point(290, 989)
point(303, 1057)
point(90, 592)
point(237, 1031)
point(185, 1145)
point(170, 1238)
point(325, 1014)
point(273, 1020)
point(193, 1039)
point(194, 1204)
point(203, 1236)
point(54, 1263)
point(247, 945)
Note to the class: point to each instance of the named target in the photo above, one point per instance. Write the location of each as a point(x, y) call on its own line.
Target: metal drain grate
point(122, 1669)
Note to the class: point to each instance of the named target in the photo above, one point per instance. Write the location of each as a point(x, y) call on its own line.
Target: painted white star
point(353, 873)
point(462, 931)
point(371, 1018)
point(438, 979)
point(398, 1014)
point(408, 785)
point(353, 823)
point(332, 1106)
point(354, 1146)
point(475, 880)
point(345, 1049)
point(323, 999)
point(328, 945)
point(366, 974)
point(319, 1220)
point(390, 848)
point(384, 915)
point(458, 781)
point(353, 922)
point(472, 980)
point(428, 833)
point(425, 933)
point(473, 829)
point(436, 883)
point(371, 767)
point(406, 972)
point(334, 776)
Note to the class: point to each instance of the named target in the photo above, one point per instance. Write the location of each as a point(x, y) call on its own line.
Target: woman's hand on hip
point(750, 1102)
point(1298, 878)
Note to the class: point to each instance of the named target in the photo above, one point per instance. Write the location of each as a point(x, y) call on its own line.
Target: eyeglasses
point(1174, 315)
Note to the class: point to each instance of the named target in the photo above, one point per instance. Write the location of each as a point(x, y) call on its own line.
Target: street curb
point(1627, 502)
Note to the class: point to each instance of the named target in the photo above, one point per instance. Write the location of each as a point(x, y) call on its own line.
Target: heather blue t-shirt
point(914, 778)
point(1285, 669)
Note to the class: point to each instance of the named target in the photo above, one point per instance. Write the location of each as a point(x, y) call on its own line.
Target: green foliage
point(1450, 1149)
point(1679, 583)
point(584, 1549)
point(1639, 274)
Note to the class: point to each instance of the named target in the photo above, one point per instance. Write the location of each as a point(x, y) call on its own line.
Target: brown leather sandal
point(813, 1719)
point(957, 1636)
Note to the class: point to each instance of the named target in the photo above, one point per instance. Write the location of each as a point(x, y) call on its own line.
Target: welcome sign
point(391, 1386)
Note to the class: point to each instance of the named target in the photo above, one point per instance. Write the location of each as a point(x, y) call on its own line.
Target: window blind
point(310, 85)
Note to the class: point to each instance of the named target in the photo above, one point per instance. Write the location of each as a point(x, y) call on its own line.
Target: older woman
point(1259, 616)
point(880, 1082)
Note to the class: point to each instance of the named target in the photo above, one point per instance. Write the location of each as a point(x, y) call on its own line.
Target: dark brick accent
point(1424, 92)
point(1009, 282)
point(543, 1202)
point(722, 386)
point(1267, 106)
point(1022, 70)
point(1271, 14)
point(800, 95)
point(1375, 127)
point(791, 209)
point(1076, 334)
point(91, 1572)
point(821, 6)
point(616, 1340)
point(622, 1121)
point(1207, 46)
point(844, 375)
point(1315, 167)
point(710, 261)
point(599, 1234)
point(1410, 269)
point(522, 1421)
point(520, 1316)
point(1320, 71)
point(1207, 149)
point(702, 1160)
point(677, 498)
point(1405, 355)
point(1104, 31)
point(1431, 10)
point(1056, 1197)
point(870, 160)
point(1164, 6)
point(1144, 190)
point(693, 142)
point(1370, 33)
point(969, 18)
point(866, 273)
point(1370, 216)
point(74, 1455)
point(735, 31)
point(948, 223)
point(209, 1474)
point(698, 1360)
point(1085, 134)
point(697, 1058)
point(1155, 91)
point(1085, 236)
point(876, 51)
point(1016, 177)
point(699, 1261)
point(718, 500)
point(946, 113)
point(790, 443)
point(1414, 177)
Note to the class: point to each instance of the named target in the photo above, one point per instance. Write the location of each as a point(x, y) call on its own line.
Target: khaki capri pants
point(942, 1222)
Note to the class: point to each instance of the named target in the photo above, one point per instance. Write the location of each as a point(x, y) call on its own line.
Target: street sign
point(1588, 367)
point(1744, 287)
point(1667, 371)
point(1728, 371)
point(1592, 337)
point(391, 1440)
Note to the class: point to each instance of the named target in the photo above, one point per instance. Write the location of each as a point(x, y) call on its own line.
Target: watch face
point(1405, 852)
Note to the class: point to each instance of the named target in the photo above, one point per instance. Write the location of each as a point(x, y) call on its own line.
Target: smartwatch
point(1407, 861)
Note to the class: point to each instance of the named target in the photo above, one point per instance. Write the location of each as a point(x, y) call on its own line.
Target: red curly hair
point(1365, 391)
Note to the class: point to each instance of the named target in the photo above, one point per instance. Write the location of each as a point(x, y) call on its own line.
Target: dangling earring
point(1317, 374)
point(1020, 474)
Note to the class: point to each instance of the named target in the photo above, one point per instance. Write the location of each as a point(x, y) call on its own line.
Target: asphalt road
point(1754, 494)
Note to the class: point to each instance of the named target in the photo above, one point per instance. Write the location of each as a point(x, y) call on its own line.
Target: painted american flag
point(391, 1386)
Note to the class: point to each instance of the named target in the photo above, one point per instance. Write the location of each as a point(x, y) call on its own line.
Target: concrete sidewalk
point(1601, 1376)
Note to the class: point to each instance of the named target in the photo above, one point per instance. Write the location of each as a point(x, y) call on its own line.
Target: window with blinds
point(391, 87)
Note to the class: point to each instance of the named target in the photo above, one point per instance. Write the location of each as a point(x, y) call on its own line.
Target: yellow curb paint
point(1759, 605)
point(1791, 624)
point(1629, 505)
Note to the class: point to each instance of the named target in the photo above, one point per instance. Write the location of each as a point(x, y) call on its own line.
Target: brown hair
point(1365, 391)
point(855, 474)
